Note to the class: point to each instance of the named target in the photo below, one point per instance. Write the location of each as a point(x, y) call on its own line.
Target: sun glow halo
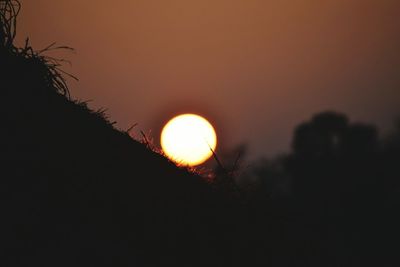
point(188, 139)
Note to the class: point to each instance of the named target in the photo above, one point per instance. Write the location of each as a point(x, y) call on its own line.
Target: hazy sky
point(255, 67)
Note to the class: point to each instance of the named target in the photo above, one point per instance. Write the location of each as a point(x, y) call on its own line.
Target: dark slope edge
point(76, 192)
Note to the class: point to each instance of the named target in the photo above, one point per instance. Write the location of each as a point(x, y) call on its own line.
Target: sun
point(188, 139)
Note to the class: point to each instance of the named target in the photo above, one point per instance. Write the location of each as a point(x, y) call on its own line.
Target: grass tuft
point(51, 72)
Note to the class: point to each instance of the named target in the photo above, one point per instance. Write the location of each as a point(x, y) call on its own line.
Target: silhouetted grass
point(9, 10)
point(50, 67)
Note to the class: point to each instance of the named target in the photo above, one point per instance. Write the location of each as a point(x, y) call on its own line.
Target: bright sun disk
point(188, 139)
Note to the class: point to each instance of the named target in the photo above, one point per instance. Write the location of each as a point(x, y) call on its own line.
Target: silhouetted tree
point(342, 210)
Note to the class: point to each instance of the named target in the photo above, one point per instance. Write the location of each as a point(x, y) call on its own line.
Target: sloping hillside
point(77, 192)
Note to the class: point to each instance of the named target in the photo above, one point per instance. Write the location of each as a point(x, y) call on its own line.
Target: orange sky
point(256, 67)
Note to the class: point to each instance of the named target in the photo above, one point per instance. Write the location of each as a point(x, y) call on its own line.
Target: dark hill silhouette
point(77, 192)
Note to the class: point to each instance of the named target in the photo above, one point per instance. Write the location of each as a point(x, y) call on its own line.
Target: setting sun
point(188, 139)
